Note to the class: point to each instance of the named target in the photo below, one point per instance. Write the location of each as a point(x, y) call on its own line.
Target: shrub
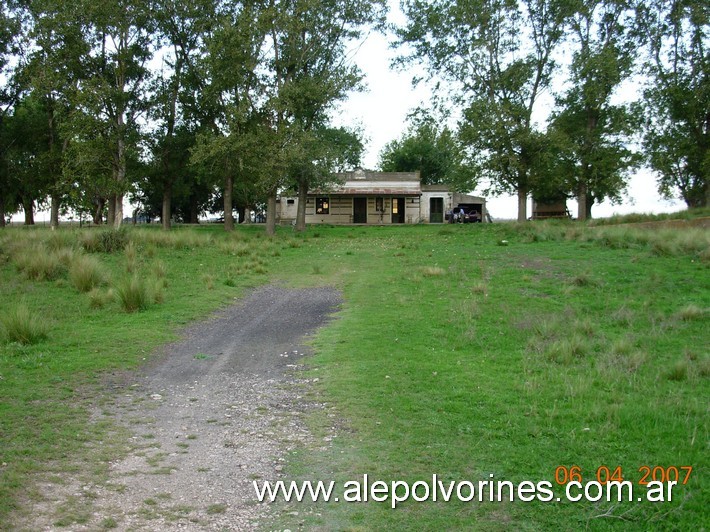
point(22, 326)
point(85, 273)
point(133, 294)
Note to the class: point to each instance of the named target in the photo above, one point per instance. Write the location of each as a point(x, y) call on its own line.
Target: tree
point(52, 72)
point(593, 133)
point(497, 56)
point(230, 139)
point(183, 25)
point(432, 150)
point(310, 73)
point(27, 156)
point(10, 30)
point(677, 98)
point(114, 98)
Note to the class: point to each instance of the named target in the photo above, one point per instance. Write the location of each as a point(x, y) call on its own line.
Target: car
point(463, 215)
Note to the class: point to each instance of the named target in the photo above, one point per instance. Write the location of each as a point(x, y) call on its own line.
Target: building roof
point(368, 183)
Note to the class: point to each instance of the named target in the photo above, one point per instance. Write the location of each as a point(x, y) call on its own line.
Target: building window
point(380, 204)
point(290, 201)
point(395, 207)
point(322, 206)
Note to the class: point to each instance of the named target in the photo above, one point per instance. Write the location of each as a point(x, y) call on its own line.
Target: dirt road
point(208, 416)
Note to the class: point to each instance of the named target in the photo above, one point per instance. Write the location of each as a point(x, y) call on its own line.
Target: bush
point(85, 273)
point(22, 326)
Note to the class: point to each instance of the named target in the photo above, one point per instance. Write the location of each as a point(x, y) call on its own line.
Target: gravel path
point(214, 412)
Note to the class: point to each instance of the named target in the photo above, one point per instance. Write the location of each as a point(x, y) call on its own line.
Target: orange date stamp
point(605, 474)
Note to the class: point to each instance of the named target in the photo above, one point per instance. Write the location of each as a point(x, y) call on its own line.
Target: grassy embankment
point(453, 355)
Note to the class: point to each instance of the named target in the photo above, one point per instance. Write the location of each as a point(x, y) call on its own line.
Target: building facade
point(378, 198)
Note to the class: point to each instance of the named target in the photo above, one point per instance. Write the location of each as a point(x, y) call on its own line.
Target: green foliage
point(498, 55)
point(589, 135)
point(677, 99)
point(433, 151)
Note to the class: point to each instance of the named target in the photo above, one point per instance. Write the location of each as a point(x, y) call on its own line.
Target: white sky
point(383, 109)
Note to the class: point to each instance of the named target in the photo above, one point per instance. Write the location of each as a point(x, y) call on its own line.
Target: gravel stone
point(207, 416)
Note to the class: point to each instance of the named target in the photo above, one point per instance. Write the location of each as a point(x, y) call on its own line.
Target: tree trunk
point(582, 201)
point(301, 211)
point(522, 204)
point(271, 213)
point(590, 204)
point(111, 214)
point(194, 210)
point(228, 191)
point(118, 220)
point(241, 210)
point(54, 216)
point(2, 212)
point(99, 212)
point(29, 207)
point(167, 208)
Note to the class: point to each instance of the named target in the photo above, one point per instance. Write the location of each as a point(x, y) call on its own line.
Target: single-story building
point(366, 197)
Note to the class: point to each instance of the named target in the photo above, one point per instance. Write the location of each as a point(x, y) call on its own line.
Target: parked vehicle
point(463, 215)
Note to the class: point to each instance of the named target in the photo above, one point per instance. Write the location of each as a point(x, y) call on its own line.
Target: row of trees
point(168, 100)
point(500, 58)
point(194, 105)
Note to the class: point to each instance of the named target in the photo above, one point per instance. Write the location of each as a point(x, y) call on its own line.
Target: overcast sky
point(382, 112)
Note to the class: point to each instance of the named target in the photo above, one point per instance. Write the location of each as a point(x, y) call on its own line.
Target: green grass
point(456, 356)
point(452, 354)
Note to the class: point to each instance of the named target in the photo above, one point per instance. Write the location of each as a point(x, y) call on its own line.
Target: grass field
point(462, 351)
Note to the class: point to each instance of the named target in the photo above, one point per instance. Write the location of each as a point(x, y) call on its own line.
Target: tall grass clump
point(432, 271)
point(690, 312)
point(85, 273)
point(20, 325)
point(99, 298)
point(131, 254)
point(104, 240)
point(133, 294)
point(37, 263)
